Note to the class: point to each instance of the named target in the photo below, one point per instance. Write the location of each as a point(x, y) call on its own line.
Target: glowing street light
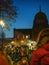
point(2, 24)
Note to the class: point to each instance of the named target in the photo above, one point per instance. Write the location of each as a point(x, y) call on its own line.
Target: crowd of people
point(16, 53)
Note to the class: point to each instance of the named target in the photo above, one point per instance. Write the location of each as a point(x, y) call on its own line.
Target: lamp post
point(2, 25)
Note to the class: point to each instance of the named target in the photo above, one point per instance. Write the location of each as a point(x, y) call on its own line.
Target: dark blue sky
point(27, 9)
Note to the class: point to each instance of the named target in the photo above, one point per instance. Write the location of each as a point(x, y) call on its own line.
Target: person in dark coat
point(41, 55)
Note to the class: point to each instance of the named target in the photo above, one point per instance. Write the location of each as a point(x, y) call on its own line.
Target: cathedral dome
point(40, 19)
point(40, 15)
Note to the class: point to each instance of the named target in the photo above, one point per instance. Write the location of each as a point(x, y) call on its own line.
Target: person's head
point(43, 37)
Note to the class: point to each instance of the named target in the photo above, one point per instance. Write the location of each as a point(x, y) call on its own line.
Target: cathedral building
point(40, 22)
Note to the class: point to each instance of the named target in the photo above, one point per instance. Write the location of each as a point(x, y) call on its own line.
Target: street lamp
point(2, 25)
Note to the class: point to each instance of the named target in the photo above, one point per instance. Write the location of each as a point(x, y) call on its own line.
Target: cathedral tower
point(40, 22)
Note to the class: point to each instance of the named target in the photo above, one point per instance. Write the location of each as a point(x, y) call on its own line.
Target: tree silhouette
point(7, 10)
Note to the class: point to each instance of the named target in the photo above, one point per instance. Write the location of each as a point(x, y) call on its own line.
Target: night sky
point(26, 10)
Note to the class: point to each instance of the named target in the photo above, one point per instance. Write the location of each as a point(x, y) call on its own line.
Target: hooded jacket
point(41, 56)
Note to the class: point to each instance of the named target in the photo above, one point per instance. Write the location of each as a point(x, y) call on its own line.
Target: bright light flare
point(2, 23)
